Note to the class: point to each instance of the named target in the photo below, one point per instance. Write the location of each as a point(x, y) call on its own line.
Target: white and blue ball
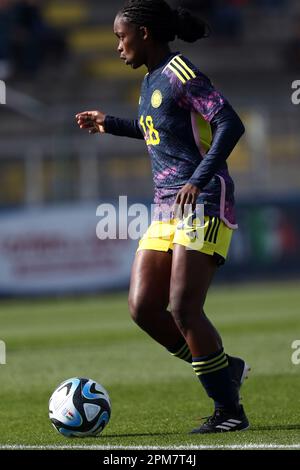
point(79, 407)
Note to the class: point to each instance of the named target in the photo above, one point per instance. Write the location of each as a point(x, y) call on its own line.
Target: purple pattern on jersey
point(229, 213)
point(227, 204)
point(165, 174)
point(197, 95)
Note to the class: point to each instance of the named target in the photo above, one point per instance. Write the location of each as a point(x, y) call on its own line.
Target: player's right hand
point(93, 121)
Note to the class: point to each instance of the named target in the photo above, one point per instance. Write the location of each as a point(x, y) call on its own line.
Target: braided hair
point(164, 23)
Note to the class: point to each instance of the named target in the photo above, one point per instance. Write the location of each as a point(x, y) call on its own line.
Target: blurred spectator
point(225, 16)
point(271, 3)
point(35, 42)
point(292, 49)
point(6, 29)
point(204, 7)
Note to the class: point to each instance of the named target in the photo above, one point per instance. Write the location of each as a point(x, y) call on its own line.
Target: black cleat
point(224, 421)
point(239, 370)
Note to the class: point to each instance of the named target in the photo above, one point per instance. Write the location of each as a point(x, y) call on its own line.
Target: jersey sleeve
point(194, 92)
point(123, 127)
point(200, 96)
point(227, 131)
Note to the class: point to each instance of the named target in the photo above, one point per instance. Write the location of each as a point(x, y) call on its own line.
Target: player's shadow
point(276, 427)
point(145, 434)
point(273, 427)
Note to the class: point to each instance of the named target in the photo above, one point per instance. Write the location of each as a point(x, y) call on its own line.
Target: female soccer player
point(190, 130)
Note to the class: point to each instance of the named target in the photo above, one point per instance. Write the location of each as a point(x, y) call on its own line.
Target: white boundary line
point(188, 447)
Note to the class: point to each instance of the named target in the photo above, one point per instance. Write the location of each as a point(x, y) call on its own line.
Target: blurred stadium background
point(58, 58)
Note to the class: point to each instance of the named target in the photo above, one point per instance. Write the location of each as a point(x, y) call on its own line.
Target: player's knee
point(137, 308)
point(185, 312)
point(182, 319)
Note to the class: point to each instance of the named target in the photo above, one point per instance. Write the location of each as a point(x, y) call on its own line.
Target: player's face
point(131, 46)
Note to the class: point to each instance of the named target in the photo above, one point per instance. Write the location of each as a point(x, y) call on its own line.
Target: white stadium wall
point(56, 250)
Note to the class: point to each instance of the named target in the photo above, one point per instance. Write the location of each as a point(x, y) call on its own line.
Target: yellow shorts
point(212, 239)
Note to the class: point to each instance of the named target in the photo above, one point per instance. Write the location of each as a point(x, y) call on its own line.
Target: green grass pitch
point(156, 399)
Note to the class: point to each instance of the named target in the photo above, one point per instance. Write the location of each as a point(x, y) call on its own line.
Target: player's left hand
point(187, 196)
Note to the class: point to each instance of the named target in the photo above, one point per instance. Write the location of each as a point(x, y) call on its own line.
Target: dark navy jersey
point(177, 112)
point(176, 106)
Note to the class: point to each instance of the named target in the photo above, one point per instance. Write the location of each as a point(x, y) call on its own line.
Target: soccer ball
point(79, 407)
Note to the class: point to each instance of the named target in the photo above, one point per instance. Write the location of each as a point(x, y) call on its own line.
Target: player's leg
point(149, 299)
point(192, 273)
point(148, 302)
point(191, 276)
point(213, 238)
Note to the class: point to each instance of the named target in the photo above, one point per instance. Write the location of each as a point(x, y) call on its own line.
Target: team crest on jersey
point(156, 99)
